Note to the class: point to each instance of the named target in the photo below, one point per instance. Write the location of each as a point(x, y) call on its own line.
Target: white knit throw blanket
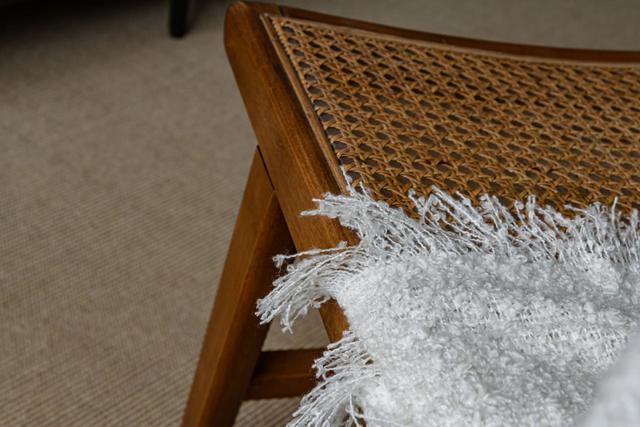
point(471, 315)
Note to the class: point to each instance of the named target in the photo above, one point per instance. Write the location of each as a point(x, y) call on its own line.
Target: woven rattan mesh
point(402, 114)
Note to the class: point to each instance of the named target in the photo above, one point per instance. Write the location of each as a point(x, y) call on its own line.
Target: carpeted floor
point(123, 155)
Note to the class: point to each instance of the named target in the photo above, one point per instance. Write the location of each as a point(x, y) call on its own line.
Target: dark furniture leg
point(178, 14)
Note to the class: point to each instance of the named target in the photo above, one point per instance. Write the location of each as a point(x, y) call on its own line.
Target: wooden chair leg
point(234, 338)
point(283, 373)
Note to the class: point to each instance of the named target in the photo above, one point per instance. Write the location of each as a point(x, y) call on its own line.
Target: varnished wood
point(508, 48)
point(296, 164)
point(234, 338)
point(283, 374)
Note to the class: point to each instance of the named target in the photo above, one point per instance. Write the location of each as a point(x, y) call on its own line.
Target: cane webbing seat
point(393, 110)
point(402, 114)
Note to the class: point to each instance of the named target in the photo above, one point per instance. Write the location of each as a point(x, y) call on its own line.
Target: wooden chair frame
point(291, 166)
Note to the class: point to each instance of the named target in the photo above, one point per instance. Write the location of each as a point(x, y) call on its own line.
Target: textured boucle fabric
point(617, 398)
point(471, 315)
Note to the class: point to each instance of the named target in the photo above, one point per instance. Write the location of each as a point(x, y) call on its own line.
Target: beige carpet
point(122, 160)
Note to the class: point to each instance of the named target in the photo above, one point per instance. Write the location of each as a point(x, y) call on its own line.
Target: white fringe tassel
point(343, 368)
point(446, 224)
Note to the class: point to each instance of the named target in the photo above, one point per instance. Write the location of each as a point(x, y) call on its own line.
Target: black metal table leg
point(178, 14)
